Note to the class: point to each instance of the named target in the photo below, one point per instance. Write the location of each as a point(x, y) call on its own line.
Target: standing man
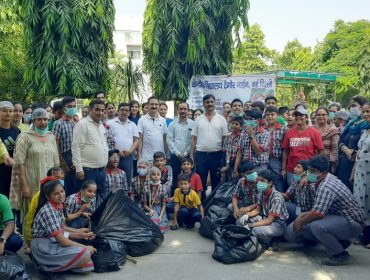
point(123, 135)
point(179, 140)
point(153, 132)
point(90, 148)
point(208, 135)
point(63, 131)
point(100, 95)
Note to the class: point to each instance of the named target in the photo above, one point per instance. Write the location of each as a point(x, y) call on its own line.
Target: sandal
point(174, 227)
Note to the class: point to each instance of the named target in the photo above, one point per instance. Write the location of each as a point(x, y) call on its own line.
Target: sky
point(284, 20)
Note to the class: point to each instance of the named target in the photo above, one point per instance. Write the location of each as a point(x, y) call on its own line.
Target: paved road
point(186, 255)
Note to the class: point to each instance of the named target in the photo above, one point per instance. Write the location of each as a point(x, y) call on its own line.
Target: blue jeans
point(208, 162)
point(13, 243)
point(188, 216)
point(98, 176)
point(175, 163)
point(127, 165)
point(275, 166)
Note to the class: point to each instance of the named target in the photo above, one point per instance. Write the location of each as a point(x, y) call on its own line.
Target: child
point(301, 198)
point(52, 247)
point(187, 165)
point(188, 207)
point(80, 206)
point(115, 178)
point(139, 182)
point(245, 196)
point(154, 197)
point(231, 147)
point(55, 173)
point(159, 160)
point(268, 219)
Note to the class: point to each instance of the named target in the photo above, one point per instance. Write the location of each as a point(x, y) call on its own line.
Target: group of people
point(302, 177)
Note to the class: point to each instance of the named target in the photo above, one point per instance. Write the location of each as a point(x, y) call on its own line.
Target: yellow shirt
point(27, 227)
point(3, 151)
point(190, 200)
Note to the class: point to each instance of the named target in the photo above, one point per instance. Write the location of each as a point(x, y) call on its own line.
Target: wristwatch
point(2, 240)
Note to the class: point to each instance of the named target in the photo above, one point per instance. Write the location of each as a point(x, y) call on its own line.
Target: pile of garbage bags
point(12, 267)
point(122, 229)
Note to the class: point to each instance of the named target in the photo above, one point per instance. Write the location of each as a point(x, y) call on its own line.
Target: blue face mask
point(297, 178)
point(41, 132)
point(312, 178)
point(62, 182)
point(251, 123)
point(331, 115)
point(262, 186)
point(71, 112)
point(251, 177)
point(27, 118)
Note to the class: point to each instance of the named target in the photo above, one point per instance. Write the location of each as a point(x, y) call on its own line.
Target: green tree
point(68, 43)
point(364, 68)
point(295, 57)
point(254, 56)
point(182, 38)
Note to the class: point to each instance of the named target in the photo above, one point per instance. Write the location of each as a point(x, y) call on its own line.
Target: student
point(188, 207)
point(115, 178)
point(154, 198)
point(80, 206)
point(187, 165)
point(245, 196)
point(268, 219)
point(283, 113)
point(237, 107)
point(55, 173)
point(51, 245)
point(159, 160)
point(139, 182)
point(8, 239)
point(231, 147)
point(299, 199)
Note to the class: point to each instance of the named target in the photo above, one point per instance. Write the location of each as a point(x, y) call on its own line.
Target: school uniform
point(189, 203)
point(137, 186)
point(48, 254)
point(246, 194)
point(115, 182)
point(73, 204)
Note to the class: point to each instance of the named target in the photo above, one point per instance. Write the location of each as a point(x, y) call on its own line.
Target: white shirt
point(209, 133)
point(122, 133)
point(153, 130)
point(89, 145)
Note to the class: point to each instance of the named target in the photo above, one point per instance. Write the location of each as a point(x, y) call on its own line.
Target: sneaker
point(340, 259)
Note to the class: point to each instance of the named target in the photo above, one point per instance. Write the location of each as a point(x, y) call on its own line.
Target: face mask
point(354, 112)
point(62, 182)
point(27, 118)
point(155, 183)
point(238, 115)
point(71, 112)
point(251, 123)
point(262, 186)
point(41, 132)
point(251, 177)
point(142, 171)
point(331, 115)
point(297, 178)
point(312, 178)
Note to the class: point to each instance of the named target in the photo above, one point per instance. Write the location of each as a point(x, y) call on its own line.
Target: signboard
point(227, 88)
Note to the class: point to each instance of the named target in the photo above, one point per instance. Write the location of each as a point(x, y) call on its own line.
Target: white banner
point(227, 88)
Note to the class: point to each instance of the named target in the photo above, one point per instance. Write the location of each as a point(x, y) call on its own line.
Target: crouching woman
point(51, 245)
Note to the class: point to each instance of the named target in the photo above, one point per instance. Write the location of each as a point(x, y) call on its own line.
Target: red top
point(302, 145)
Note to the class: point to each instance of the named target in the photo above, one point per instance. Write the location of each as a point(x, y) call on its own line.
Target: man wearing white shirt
point(208, 135)
point(123, 135)
point(153, 132)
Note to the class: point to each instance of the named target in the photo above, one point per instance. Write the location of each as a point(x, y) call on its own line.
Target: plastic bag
point(12, 267)
point(110, 255)
point(221, 196)
point(234, 244)
point(118, 218)
point(208, 225)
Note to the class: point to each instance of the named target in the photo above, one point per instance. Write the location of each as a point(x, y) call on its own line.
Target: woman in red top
point(300, 143)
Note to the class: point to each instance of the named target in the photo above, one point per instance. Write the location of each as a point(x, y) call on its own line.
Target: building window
point(134, 52)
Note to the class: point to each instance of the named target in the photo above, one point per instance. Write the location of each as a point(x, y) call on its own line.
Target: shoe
point(174, 227)
point(340, 259)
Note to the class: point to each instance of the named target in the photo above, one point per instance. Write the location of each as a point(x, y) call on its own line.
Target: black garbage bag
point(12, 267)
point(110, 255)
point(234, 244)
point(207, 225)
point(118, 218)
point(221, 196)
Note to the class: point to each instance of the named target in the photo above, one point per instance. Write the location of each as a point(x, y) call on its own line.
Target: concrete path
point(186, 255)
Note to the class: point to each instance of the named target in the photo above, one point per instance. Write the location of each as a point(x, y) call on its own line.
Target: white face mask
point(354, 112)
point(155, 183)
point(142, 171)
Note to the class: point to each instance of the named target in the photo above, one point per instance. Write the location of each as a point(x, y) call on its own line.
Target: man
point(247, 105)
point(335, 217)
point(208, 135)
point(153, 132)
point(85, 111)
point(100, 95)
point(123, 135)
point(63, 131)
point(179, 140)
point(271, 101)
point(90, 148)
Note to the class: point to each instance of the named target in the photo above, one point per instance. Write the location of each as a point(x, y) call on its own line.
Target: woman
point(51, 245)
point(197, 113)
point(361, 185)
point(190, 114)
point(330, 136)
point(27, 116)
point(18, 117)
point(134, 111)
point(110, 108)
point(349, 139)
point(36, 153)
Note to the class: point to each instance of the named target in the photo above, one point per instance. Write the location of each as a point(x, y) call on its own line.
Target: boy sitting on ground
point(188, 207)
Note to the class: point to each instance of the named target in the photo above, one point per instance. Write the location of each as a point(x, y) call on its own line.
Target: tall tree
point(254, 56)
point(295, 57)
point(68, 43)
point(182, 38)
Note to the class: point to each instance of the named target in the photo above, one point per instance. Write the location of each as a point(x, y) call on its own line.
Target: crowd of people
point(300, 177)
